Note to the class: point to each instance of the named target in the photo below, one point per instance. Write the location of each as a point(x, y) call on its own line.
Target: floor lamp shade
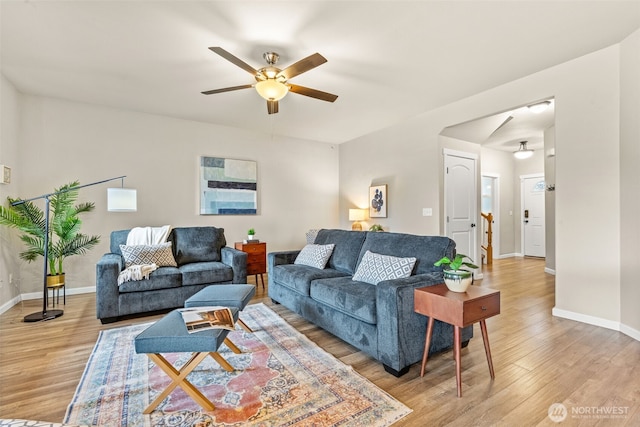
point(122, 200)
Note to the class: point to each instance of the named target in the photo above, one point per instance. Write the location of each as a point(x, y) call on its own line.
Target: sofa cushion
point(375, 268)
point(197, 244)
point(426, 249)
point(200, 273)
point(314, 255)
point(118, 237)
point(345, 253)
point(162, 278)
point(299, 277)
point(357, 299)
point(160, 255)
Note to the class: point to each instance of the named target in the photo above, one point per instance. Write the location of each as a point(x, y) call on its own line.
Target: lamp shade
point(271, 89)
point(356, 214)
point(122, 200)
point(523, 152)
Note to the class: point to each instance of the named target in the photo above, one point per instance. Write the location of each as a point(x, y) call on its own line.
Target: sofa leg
point(274, 301)
point(108, 320)
point(465, 343)
point(395, 373)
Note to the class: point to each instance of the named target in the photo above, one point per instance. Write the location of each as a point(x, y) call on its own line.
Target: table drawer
point(481, 308)
point(255, 248)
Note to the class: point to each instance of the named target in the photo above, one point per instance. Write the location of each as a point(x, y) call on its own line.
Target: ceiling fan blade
point(313, 93)
point(304, 65)
point(226, 89)
point(272, 107)
point(235, 60)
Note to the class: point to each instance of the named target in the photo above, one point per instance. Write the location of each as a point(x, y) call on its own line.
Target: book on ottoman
point(211, 317)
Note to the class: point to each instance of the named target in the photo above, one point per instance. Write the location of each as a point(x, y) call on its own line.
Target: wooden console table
point(459, 309)
point(256, 258)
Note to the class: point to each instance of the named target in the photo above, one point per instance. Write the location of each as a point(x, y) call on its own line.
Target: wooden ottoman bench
point(170, 335)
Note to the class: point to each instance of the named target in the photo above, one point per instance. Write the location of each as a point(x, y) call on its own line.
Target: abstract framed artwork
point(378, 201)
point(228, 186)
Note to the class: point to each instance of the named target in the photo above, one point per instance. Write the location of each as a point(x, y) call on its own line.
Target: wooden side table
point(459, 309)
point(256, 258)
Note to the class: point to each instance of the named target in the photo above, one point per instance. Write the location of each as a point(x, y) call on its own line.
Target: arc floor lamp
point(118, 200)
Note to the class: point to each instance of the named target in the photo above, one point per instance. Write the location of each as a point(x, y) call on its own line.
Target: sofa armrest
point(401, 330)
point(237, 260)
point(280, 258)
point(107, 270)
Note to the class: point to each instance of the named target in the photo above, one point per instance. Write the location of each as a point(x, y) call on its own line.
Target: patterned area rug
point(281, 378)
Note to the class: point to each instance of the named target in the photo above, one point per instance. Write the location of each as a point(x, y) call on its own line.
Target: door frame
point(522, 178)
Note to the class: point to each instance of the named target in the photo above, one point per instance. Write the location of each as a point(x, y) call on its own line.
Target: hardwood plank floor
point(538, 359)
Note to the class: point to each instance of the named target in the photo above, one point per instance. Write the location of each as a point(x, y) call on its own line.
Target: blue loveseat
point(377, 319)
point(202, 259)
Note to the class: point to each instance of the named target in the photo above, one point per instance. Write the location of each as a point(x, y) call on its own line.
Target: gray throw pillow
point(315, 255)
point(160, 255)
point(375, 268)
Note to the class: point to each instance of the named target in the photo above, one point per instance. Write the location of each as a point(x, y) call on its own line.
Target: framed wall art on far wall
point(378, 201)
point(228, 186)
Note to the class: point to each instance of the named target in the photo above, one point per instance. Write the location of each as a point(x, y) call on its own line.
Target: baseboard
point(627, 330)
point(7, 305)
point(503, 256)
point(549, 271)
point(585, 318)
point(38, 295)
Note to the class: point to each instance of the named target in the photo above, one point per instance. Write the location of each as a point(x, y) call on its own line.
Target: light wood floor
point(539, 360)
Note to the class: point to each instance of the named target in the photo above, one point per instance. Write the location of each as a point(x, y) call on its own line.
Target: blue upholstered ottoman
point(170, 335)
point(224, 295)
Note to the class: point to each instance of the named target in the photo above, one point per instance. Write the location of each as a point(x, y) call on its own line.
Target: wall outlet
point(427, 212)
point(10, 278)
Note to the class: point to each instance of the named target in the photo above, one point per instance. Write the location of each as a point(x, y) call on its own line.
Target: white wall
point(62, 141)
point(550, 198)
point(630, 184)
point(586, 91)
point(9, 110)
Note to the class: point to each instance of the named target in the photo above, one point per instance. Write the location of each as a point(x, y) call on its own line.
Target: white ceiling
point(387, 60)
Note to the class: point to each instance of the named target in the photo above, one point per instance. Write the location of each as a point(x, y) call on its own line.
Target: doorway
point(490, 194)
point(533, 215)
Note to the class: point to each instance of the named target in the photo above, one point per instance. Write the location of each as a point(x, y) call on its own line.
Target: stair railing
point(489, 232)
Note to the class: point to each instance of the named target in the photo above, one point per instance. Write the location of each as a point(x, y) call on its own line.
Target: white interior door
point(533, 224)
point(460, 201)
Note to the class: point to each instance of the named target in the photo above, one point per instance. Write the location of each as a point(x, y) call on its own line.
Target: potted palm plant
point(457, 278)
point(64, 238)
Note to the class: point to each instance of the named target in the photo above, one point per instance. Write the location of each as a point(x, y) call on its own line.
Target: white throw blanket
point(136, 272)
point(148, 235)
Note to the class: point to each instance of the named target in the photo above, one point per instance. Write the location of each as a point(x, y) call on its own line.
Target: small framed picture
point(6, 174)
point(378, 201)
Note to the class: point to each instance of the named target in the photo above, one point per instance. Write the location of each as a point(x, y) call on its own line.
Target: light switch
point(427, 212)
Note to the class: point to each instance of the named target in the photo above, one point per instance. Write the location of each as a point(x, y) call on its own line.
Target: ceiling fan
point(272, 82)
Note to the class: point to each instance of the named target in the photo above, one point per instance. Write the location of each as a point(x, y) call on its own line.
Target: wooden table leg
point(427, 344)
point(487, 350)
point(456, 352)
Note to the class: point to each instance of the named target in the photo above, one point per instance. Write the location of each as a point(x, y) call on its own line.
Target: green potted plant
point(457, 278)
point(376, 227)
point(65, 238)
point(251, 234)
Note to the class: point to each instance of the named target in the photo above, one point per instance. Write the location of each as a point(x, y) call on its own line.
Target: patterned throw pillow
point(375, 268)
point(148, 254)
point(315, 255)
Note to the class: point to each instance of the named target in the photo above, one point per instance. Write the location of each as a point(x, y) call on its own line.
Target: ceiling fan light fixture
point(523, 152)
point(272, 90)
point(539, 107)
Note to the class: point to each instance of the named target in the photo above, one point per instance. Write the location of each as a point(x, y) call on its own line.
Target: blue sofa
point(202, 259)
point(377, 319)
